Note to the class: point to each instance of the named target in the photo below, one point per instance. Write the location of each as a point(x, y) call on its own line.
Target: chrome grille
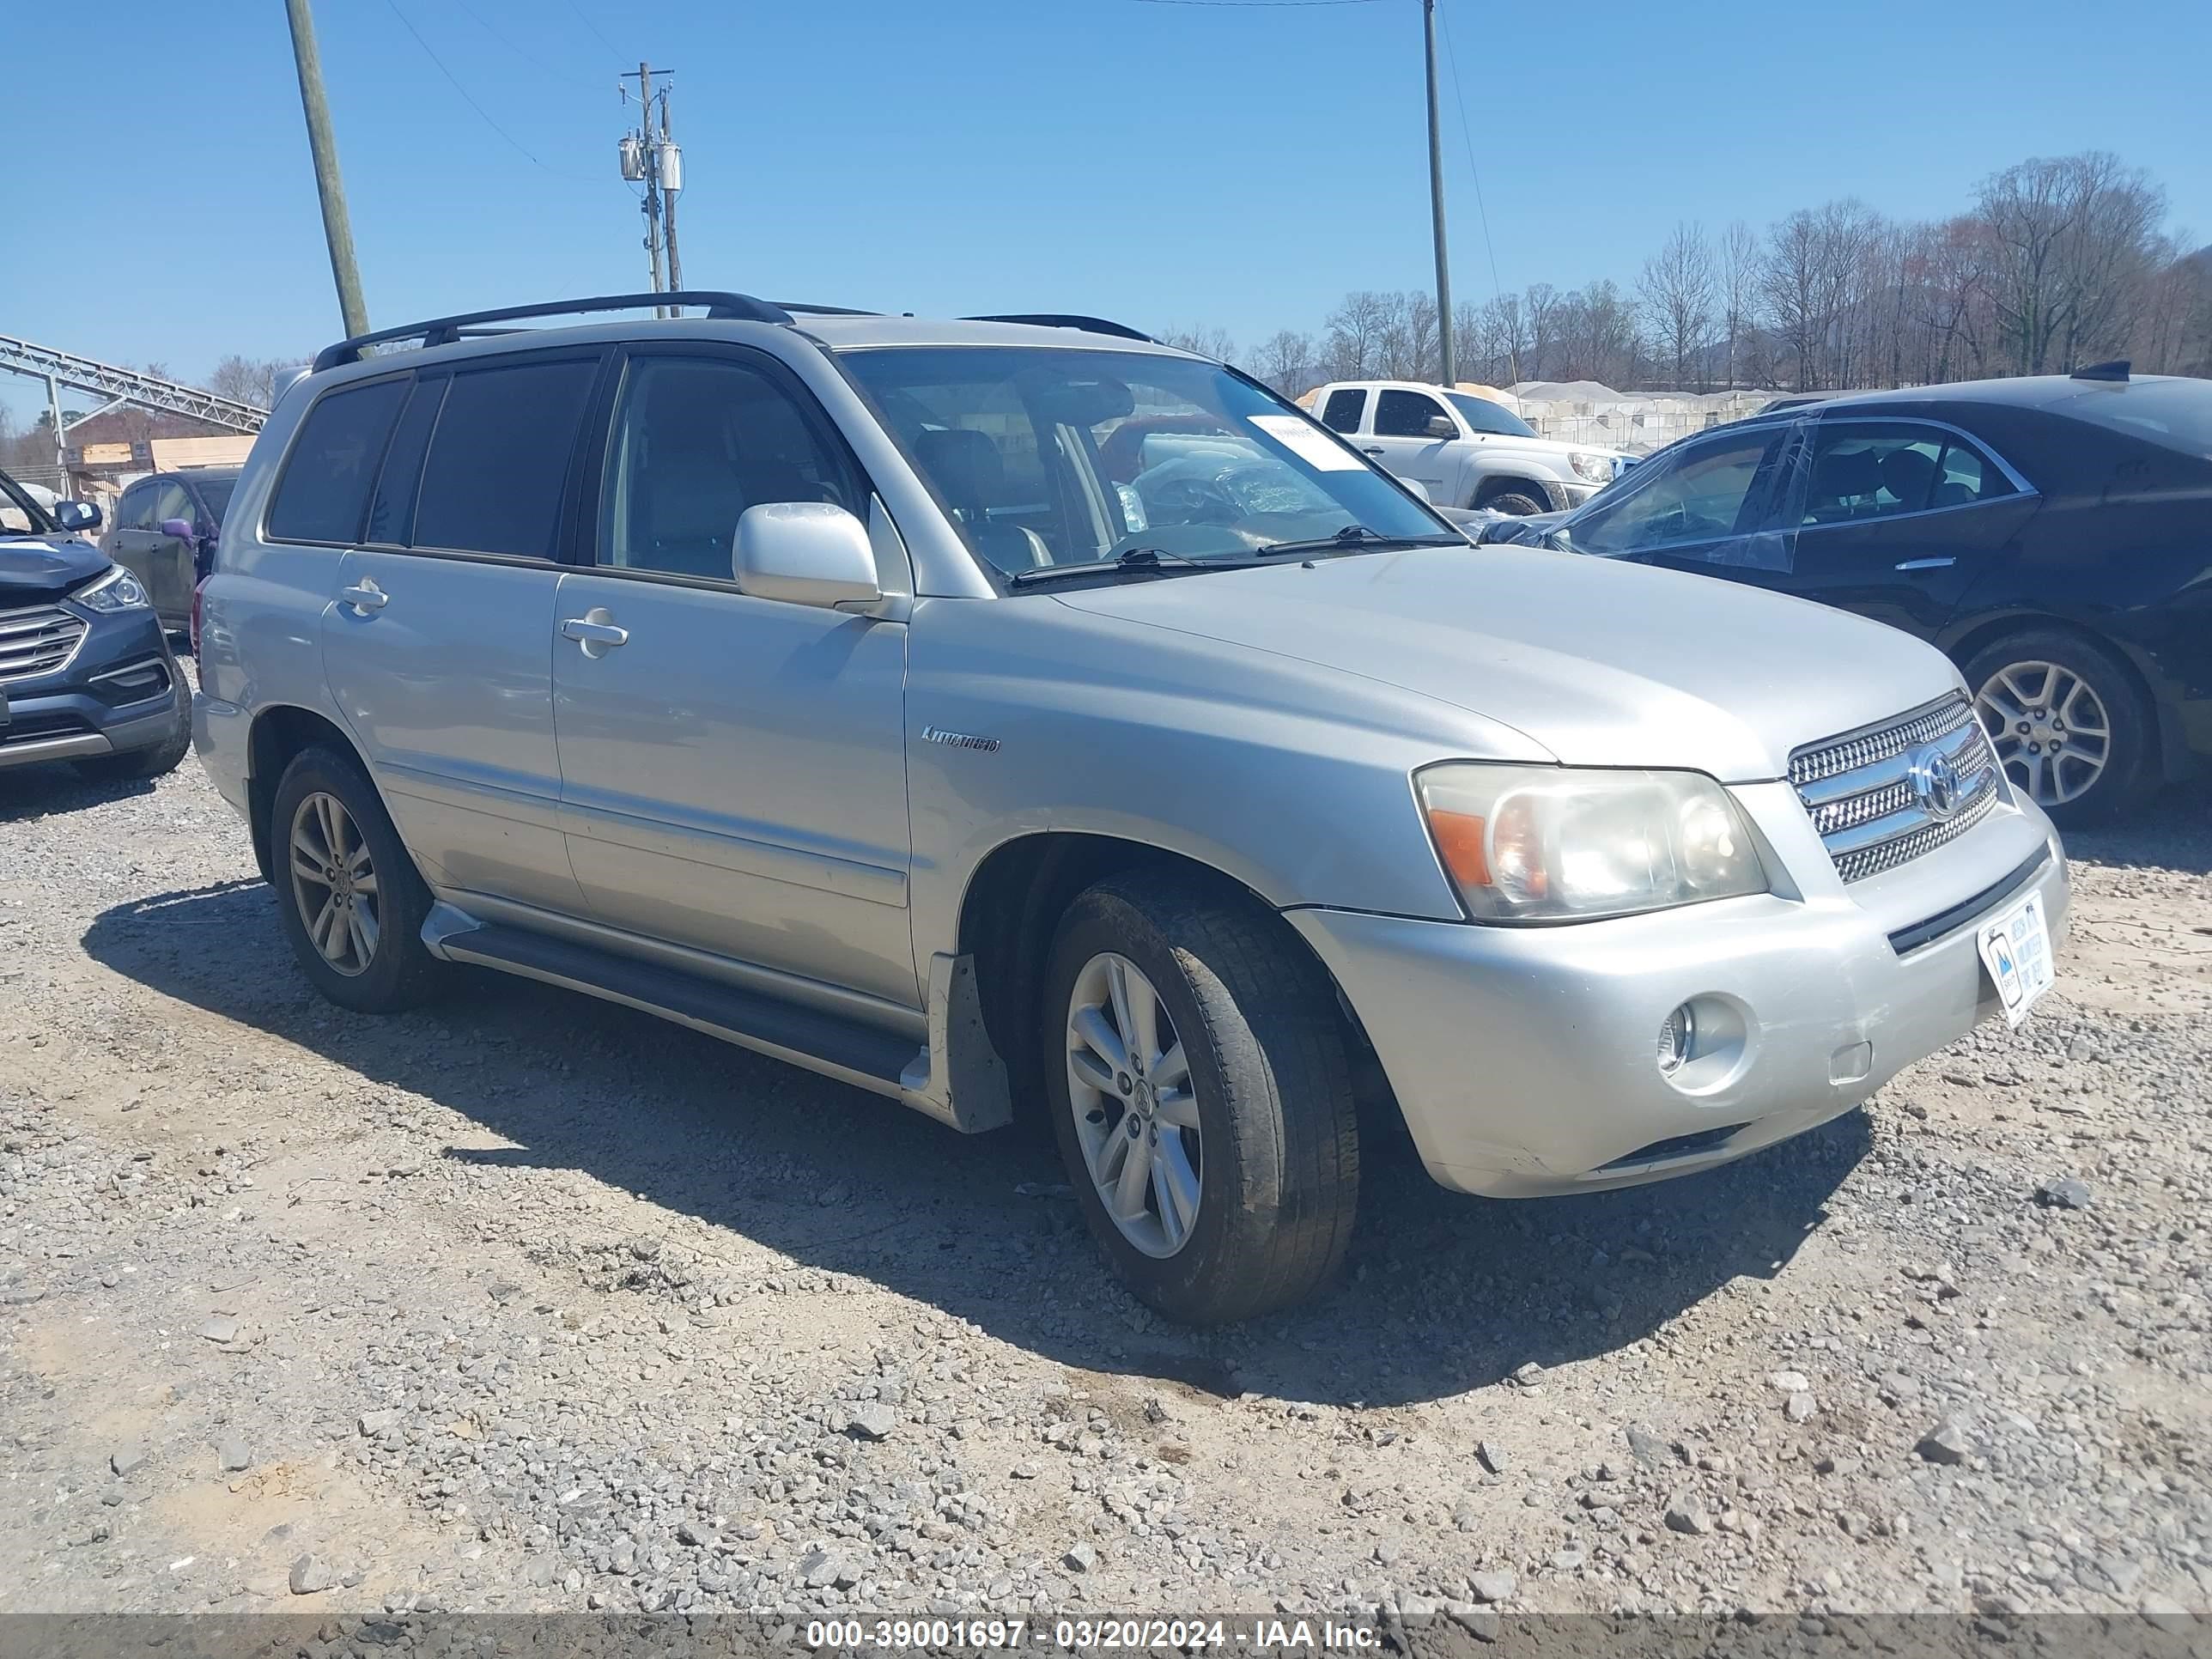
point(1858, 791)
point(37, 640)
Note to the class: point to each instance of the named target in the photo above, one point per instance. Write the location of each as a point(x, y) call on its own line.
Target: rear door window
point(1878, 469)
point(323, 492)
point(498, 463)
point(1343, 410)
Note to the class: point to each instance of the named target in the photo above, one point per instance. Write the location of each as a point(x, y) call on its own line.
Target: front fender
point(1025, 716)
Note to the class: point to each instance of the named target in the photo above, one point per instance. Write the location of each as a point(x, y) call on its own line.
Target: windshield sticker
point(1307, 444)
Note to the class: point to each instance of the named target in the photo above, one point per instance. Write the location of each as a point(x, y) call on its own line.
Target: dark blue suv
point(86, 672)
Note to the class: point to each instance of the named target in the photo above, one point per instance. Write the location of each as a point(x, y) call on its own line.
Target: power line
point(1482, 213)
point(464, 91)
point(527, 56)
point(586, 21)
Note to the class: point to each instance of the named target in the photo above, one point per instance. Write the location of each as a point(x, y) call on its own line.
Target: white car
point(1465, 451)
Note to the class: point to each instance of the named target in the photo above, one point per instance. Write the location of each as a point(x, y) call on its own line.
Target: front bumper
point(117, 693)
point(1524, 1058)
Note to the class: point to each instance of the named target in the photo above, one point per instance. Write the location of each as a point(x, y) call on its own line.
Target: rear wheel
point(1201, 1095)
point(351, 899)
point(1513, 502)
point(2071, 727)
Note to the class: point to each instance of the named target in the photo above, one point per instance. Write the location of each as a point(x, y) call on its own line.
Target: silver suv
point(1014, 714)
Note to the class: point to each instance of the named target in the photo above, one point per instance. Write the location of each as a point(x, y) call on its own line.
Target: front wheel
point(1201, 1094)
point(2071, 728)
point(154, 760)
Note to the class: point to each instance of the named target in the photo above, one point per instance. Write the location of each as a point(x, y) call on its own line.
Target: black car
point(164, 533)
point(2053, 534)
point(86, 672)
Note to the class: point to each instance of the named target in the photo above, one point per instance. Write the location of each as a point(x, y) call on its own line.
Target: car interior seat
point(969, 470)
point(1908, 474)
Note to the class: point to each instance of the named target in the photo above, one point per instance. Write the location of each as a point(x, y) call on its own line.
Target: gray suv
point(806, 677)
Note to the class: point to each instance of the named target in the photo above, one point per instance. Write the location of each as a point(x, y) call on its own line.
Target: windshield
point(215, 492)
point(1485, 416)
point(1045, 456)
point(19, 513)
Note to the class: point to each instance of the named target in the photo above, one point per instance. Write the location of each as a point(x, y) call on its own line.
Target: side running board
point(958, 1052)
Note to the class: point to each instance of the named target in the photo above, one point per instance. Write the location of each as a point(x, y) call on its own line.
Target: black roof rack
point(443, 330)
point(801, 306)
point(1069, 320)
point(2115, 370)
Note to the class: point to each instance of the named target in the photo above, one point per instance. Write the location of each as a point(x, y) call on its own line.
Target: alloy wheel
point(334, 884)
point(2051, 730)
point(1136, 1117)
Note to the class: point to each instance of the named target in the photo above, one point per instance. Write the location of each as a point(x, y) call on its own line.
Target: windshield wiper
point(1137, 558)
point(1356, 536)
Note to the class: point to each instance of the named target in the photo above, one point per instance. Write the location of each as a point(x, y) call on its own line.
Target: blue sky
point(1164, 163)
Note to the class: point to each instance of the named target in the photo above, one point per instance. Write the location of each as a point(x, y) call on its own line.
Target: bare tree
point(1739, 289)
point(1357, 330)
point(1285, 361)
point(250, 379)
point(1675, 295)
point(1205, 340)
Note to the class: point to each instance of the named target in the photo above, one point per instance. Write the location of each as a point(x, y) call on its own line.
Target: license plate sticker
point(2016, 950)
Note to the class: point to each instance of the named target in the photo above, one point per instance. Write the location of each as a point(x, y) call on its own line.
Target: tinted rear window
point(2174, 414)
point(499, 459)
point(325, 490)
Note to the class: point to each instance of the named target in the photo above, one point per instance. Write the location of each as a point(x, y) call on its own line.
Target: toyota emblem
point(1935, 783)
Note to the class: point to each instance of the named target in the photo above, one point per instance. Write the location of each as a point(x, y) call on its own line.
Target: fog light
point(1676, 1038)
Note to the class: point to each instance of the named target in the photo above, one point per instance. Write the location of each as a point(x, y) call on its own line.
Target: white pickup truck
point(1465, 451)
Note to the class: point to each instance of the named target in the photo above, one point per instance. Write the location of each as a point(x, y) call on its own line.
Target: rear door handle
point(1927, 564)
point(1377, 453)
point(365, 597)
point(595, 631)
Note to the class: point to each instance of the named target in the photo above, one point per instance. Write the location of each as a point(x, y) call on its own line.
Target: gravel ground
point(532, 1303)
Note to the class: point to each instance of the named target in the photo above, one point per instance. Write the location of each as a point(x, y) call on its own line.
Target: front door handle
point(1927, 564)
point(365, 597)
point(595, 631)
point(1377, 453)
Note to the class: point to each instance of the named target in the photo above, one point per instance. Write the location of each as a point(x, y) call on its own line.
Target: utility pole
point(668, 163)
point(338, 229)
point(649, 158)
point(1436, 202)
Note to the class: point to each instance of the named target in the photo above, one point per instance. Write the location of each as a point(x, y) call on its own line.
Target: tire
point(1268, 1087)
point(396, 971)
point(1513, 502)
point(2032, 678)
point(156, 759)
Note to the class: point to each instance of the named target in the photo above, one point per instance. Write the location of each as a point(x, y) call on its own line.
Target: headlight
point(1598, 469)
point(118, 590)
point(1546, 843)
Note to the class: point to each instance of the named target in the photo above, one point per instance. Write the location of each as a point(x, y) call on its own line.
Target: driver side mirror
point(76, 515)
point(805, 553)
point(1441, 426)
point(181, 529)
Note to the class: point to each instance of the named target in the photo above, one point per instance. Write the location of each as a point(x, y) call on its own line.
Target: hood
point(39, 566)
point(1602, 663)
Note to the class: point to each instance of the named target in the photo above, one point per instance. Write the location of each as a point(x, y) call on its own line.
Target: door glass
point(1404, 414)
point(324, 488)
point(1965, 475)
point(391, 515)
point(695, 442)
point(1868, 470)
point(1342, 414)
point(499, 459)
point(215, 500)
point(170, 502)
point(131, 511)
point(1702, 497)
